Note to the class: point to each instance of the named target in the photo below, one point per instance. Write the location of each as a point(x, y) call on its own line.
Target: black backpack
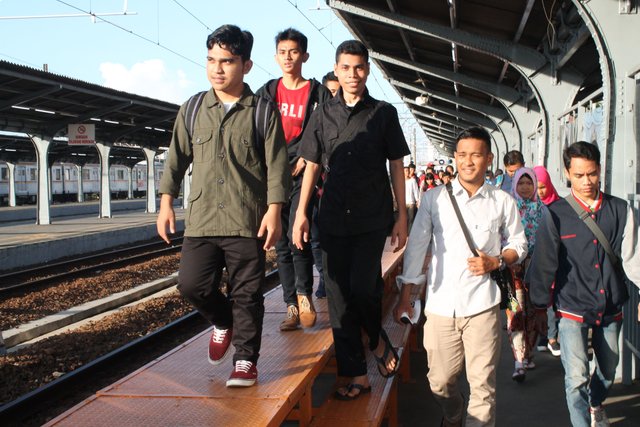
point(261, 115)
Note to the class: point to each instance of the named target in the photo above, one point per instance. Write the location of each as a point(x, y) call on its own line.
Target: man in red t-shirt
point(296, 98)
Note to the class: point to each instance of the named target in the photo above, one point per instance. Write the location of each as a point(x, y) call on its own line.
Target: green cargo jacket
point(231, 187)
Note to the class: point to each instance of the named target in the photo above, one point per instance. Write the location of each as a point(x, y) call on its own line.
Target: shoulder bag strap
point(465, 230)
point(589, 222)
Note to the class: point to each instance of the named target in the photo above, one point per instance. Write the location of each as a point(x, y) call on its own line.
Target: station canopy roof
point(40, 103)
point(445, 58)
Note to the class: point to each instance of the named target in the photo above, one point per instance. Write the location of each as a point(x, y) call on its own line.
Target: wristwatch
point(502, 265)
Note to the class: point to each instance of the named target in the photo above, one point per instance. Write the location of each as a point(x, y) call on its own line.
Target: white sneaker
point(599, 417)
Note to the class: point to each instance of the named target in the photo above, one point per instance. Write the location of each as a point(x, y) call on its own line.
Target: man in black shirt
point(353, 136)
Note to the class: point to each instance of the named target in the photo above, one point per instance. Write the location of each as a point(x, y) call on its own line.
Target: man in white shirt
point(411, 195)
point(462, 301)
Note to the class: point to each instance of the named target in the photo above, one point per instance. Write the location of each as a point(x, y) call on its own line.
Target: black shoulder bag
point(503, 278)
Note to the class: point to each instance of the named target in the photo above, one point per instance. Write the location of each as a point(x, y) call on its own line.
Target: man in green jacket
point(239, 182)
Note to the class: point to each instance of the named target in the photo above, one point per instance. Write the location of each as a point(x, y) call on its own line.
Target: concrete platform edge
point(26, 332)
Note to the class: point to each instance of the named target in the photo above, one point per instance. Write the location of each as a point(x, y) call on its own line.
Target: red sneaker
point(244, 374)
point(219, 345)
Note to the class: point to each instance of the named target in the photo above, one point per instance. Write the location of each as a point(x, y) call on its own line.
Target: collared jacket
point(587, 286)
point(231, 185)
point(356, 195)
point(318, 94)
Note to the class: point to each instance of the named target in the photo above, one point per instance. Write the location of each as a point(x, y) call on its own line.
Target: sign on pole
point(81, 134)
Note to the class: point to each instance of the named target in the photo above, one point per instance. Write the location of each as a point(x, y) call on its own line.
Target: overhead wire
point(157, 43)
point(131, 32)
point(209, 29)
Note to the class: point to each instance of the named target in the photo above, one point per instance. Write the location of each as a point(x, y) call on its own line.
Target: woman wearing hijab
point(521, 325)
point(548, 194)
point(546, 191)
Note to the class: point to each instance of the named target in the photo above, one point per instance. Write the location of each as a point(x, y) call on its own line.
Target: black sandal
point(361, 390)
point(382, 361)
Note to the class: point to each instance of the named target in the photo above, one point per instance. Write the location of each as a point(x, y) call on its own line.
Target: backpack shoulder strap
point(191, 111)
point(262, 113)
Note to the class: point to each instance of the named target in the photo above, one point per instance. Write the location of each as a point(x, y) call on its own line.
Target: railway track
point(75, 383)
point(23, 281)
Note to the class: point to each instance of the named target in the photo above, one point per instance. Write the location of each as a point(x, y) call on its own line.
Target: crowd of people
point(314, 168)
point(568, 278)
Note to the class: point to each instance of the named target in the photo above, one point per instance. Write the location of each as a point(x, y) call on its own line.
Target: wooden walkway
point(182, 388)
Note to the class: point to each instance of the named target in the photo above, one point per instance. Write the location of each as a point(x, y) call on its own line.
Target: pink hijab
point(543, 177)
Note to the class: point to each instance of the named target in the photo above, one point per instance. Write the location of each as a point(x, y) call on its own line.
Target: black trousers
point(354, 286)
point(295, 266)
point(201, 266)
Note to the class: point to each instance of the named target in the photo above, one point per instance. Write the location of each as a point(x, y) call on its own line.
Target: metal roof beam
point(117, 135)
point(88, 88)
point(503, 49)
point(58, 126)
point(436, 127)
point(29, 96)
point(568, 49)
point(500, 91)
point(455, 122)
point(497, 113)
point(440, 138)
point(476, 119)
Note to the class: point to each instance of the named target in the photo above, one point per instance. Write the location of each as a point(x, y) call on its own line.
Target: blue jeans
point(583, 388)
point(552, 324)
point(295, 266)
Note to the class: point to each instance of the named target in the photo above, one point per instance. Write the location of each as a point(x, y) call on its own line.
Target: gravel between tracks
point(19, 310)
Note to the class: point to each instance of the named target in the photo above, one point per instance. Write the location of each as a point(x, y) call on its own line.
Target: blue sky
point(160, 50)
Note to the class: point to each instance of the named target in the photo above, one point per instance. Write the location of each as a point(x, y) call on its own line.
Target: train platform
point(75, 230)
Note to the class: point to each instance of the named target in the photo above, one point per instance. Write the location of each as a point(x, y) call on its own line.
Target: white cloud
point(148, 78)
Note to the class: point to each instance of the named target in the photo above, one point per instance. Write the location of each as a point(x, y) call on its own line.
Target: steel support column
point(42, 144)
point(105, 182)
point(150, 155)
point(11, 168)
point(79, 169)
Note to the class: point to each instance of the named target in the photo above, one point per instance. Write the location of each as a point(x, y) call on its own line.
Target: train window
point(85, 174)
point(4, 174)
point(33, 172)
point(120, 174)
point(67, 174)
point(57, 176)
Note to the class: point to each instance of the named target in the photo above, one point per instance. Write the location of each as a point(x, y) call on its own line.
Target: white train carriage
point(64, 182)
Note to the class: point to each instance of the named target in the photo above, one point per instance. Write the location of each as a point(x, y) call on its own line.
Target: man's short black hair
point(352, 47)
point(233, 39)
point(581, 150)
point(475, 132)
point(513, 157)
point(329, 77)
point(293, 35)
